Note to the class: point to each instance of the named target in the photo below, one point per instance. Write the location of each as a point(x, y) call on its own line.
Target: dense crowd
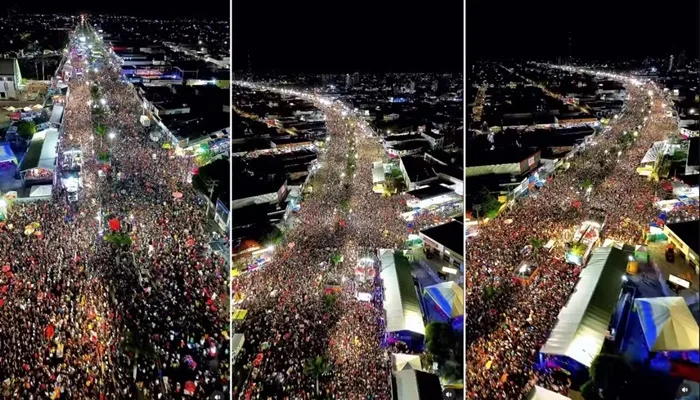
point(289, 321)
point(83, 316)
point(507, 320)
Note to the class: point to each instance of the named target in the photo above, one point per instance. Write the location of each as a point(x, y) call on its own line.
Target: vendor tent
point(40, 191)
point(6, 154)
point(237, 343)
point(448, 296)
point(540, 393)
point(56, 115)
point(406, 361)
point(668, 324)
point(378, 174)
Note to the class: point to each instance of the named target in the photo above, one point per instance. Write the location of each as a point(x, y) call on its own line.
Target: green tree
point(274, 237)
point(316, 368)
point(26, 129)
point(103, 156)
point(536, 244)
point(610, 373)
point(438, 339)
point(337, 258)
point(120, 239)
point(586, 183)
point(588, 391)
point(329, 301)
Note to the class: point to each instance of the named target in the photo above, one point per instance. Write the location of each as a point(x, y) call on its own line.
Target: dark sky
point(324, 36)
point(173, 8)
point(599, 29)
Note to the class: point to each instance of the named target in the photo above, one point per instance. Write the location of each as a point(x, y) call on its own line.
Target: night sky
point(599, 29)
point(322, 36)
point(213, 8)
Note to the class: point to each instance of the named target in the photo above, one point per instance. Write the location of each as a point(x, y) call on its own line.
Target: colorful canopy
point(448, 296)
point(668, 324)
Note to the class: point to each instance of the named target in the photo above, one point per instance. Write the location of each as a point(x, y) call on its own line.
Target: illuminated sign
point(678, 281)
point(449, 270)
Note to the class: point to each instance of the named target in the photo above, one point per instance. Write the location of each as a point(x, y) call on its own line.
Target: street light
point(112, 135)
point(103, 101)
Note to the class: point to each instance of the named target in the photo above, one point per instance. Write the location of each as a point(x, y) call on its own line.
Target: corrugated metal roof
point(583, 323)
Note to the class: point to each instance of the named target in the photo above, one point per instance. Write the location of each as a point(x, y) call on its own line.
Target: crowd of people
point(507, 321)
point(84, 316)
point(289, 322)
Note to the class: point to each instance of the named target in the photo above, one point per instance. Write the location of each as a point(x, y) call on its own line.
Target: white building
point(10, 79)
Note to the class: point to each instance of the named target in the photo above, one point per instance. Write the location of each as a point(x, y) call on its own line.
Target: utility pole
point(211, 185)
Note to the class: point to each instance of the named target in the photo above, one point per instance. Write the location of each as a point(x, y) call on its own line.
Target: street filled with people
point(117, 295)
point(508, 320)
point(307, 334)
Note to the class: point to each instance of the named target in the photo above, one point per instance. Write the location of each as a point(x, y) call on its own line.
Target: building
point(10, 79)
point(435, 139)
point(188, 130)
point(416, 172)
point(513, 161)
point(686, 237)
point(445, 241)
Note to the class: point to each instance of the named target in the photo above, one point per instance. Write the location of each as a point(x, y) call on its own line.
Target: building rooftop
point(417, 168)
point(450, 235)
point(688, 232)
point(195, 126)
point(429, 191)
point(480, 157)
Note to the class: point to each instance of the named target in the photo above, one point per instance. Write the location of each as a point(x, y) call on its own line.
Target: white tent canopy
point(40, 191)
point(540, 393)
point(237, 343)
point(406, 361)
point(49, 152)
point(56, 114)
point(378, 174)
point(402, 309)
point(448, 296)
point(668, 324)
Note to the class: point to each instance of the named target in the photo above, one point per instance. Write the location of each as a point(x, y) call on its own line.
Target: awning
point(668, 324)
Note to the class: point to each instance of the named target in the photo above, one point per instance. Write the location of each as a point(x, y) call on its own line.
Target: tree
point(95, 92)
point(26, 129)
point(588, 391)
point(120, 239)
point(536, 244)
point(438, 339)
point(587, 183)
point(316, 368)
point(609, 374)
point(337, 258)
point(274, 237)
point(103, 156)
point(329, 301)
